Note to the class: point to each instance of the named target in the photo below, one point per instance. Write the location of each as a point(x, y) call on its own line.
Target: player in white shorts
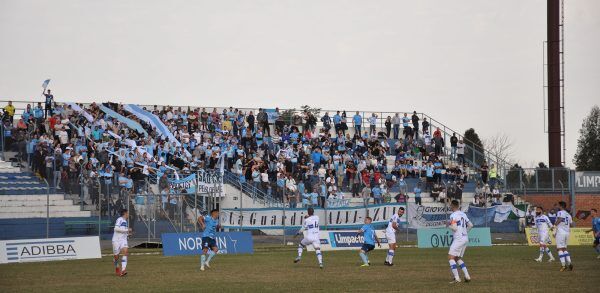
point(563, 228)
point(119, 243)
point(311, 226)
point(460, 225)
point(390, 234)
point(543, 225)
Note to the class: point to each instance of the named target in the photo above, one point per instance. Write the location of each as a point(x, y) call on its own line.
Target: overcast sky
point(466, 63)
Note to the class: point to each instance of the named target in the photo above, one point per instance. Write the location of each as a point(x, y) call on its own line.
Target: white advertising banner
point(431, 215)
point(347, 240)
point(49, 249)
point(278, 218)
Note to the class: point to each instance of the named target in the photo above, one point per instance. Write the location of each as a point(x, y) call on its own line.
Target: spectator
point(373, 124)
point(9, 110)
point(460, 151)
point(48, 102)
point(388, 126)
point(366, 194)
point(417, 192)
point(415, 122)
point(357, 119)
point(454, 146)
point(396, 122)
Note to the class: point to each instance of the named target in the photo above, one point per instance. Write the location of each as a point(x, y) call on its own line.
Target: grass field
point(493, 269)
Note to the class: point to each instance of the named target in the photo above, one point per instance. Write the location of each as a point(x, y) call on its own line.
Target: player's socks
point(597, 248)
point(567, 257)
point(123, 262)
point(549, 252)
point(300, 248)
point(454, 270)
point(541, 252)
point(319, 256)
point(390, 256)
point(211, 254)
point(202, 260)
point(561, 256)
point(364, 258)
point(463, 266)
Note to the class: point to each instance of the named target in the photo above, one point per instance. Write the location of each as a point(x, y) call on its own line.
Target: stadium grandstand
point(94, 159)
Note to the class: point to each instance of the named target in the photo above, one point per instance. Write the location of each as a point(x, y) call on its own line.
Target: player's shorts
point(208, 242)
point(367, 247)
point(562, 239)
point(315, 242)
point(118, 245)
point(458, 246)
point(543, 238)
point(391, 236)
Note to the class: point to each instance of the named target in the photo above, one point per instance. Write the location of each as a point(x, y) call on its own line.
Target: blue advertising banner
point(341, 239)
point(432, 238)
point(191, 243)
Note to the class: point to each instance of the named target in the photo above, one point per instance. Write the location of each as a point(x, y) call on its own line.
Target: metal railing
point(538, 180)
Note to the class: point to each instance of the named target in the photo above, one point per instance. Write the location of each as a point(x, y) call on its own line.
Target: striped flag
point(45, 84)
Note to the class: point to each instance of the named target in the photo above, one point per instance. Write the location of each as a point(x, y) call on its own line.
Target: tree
point(587, 157)
point(500, 147)
point(474, 147)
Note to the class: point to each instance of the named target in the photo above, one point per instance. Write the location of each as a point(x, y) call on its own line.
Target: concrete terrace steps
point(34, 203)
point(42, 214)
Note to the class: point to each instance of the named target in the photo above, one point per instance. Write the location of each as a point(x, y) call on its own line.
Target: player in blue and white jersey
point(543, 225)
point(563, 229)
point(460, 225)
point(209, 224)
point(369, 241)
point(119, 243)
point(311, 226)
point(390, 234)
point(596, 230)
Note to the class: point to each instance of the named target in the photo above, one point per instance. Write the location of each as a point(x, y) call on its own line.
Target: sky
point(468, 63)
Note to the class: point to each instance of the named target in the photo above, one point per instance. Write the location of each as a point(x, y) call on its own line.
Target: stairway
point(23, 195)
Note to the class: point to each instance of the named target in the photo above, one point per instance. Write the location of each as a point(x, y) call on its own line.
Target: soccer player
point(369, 241)
point(119, 243)
point(390, 234)
point(209, 225)
point(563, 228)
point(311, 225)
point(596, 230)
point(460, 225)
point(543, 224)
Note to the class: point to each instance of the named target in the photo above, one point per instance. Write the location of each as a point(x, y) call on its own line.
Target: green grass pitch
point(271, 268)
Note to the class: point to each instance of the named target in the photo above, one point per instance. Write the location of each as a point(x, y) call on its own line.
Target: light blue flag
point(45, 84)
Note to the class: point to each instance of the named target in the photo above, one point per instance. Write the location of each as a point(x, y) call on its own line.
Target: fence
point(524, 180)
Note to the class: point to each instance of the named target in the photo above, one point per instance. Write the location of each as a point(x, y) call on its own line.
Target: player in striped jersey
point(311, 226)
point(563, 229)
point(390, 234)
point(543, 224)
point(119, 243)
point(460, 225)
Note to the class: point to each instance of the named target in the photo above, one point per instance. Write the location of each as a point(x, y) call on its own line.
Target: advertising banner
point(191, 243)
point(206, 182)
point(433, 238)
point(587, 181)
point(49, 249)
point(278, 218)
point(347, 240)
point(435, 215)
point(578, 236)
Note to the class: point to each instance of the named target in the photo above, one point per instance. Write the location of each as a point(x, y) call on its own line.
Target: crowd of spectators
point(283, 156)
